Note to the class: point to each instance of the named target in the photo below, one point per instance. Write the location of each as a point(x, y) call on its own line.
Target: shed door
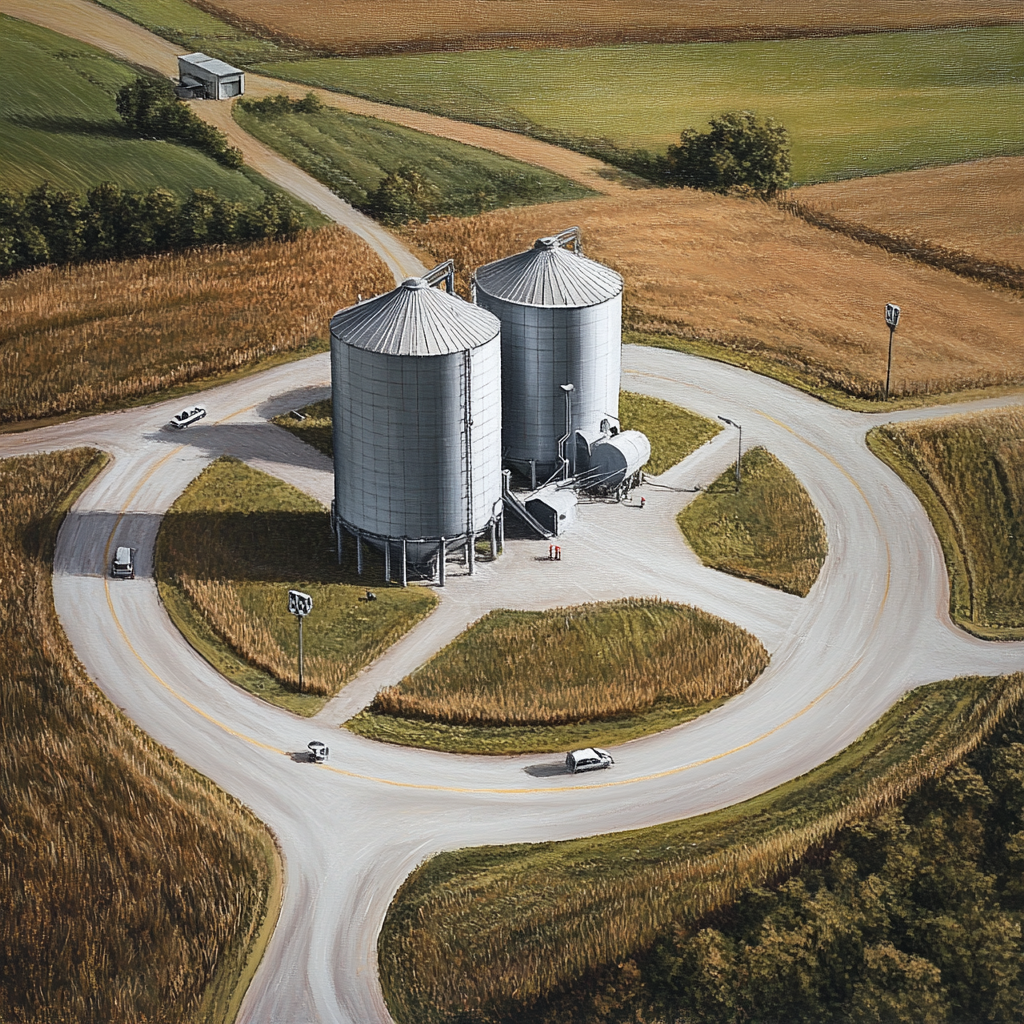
point(232, 87)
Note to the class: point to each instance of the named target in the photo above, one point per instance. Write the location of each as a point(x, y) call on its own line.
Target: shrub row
point(48, 225)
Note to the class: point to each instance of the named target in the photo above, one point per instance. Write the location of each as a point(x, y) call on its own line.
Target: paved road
point(874, 625)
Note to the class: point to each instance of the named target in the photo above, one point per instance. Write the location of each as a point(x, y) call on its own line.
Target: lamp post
point(892, 319)
point(739, 450)
point(568, 390)
point(300, 605)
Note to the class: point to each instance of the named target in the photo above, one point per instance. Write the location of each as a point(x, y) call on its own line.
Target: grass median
point(228, 552)
point(490, 933)
point(135, 889)
point(968, 473)
point(766, 529)
point(534, 682)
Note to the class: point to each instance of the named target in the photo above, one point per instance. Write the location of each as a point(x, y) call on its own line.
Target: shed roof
point(211, 64)
point(415, 320)
point(548, 275)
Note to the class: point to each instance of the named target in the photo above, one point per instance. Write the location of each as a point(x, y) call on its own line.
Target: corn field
point(126, 879)
point(973, 465)
point(105, 334)
point(486, 931)
point(578, 664)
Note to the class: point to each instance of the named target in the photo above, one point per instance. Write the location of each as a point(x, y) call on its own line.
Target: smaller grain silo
point(561, 325)
point(416, 388)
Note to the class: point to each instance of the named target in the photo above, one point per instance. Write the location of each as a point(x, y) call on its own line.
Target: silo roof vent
point(549, 275)
point(415, 319)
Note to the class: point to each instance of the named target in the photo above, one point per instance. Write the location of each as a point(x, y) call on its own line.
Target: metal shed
point(561, 324)
point(207, 78)
point(416, 384)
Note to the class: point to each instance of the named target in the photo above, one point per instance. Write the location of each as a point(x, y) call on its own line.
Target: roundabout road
point(874, 626)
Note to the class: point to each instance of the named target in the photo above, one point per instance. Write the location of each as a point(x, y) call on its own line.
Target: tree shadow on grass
point(67, 125)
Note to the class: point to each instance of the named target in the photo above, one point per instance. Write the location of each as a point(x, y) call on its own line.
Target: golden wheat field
point(127, 880)
point(578, 664)
point(104, 334)
point(976, 207)
point(748, 276)
point(363, 26)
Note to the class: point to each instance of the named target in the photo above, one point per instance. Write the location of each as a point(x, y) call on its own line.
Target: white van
point(123, 566)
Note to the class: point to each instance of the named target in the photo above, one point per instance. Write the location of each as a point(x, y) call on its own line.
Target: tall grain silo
point(416, 388)
point(561, 324)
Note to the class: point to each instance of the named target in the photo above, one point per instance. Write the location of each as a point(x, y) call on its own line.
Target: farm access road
point(875, 624)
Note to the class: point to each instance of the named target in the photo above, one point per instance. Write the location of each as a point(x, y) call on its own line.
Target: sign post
point(300, 605)
point(892, 319)
point(739, 449)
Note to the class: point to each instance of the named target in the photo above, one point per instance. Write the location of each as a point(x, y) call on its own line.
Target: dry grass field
point(127, 881)
point(968, 472)
point(751, 281)
point(234, 543)
point(768, 530)
point(102, 335)
point(975, 208)
point(362, 26)
point(583, 663)
point(485, 934)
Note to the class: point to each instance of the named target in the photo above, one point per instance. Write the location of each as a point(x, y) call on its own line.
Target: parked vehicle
point(188, 416)
point(588, 759)
point(318, 752)
point(123, 566)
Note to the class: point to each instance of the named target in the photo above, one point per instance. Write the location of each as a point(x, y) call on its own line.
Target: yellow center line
point(496, 790)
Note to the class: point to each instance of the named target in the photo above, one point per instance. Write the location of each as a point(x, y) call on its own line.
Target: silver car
point(188, 416)
point(588, 759)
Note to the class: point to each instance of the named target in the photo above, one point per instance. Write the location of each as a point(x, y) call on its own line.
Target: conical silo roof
point(415, 320)
point(548, 275)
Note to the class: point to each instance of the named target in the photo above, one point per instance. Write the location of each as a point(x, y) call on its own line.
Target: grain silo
point(416, 386)
point(561, 324)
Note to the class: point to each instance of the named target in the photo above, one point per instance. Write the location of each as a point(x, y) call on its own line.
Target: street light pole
point(563, 455)
point(739, 448)
point(892, 319)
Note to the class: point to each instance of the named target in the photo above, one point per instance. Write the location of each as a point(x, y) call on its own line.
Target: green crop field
point(352, 154)
point(59, 124)
point(853, 105)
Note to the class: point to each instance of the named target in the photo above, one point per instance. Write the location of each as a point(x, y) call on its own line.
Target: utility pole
point(739, 449)
point(300, 605)
point(892, 319)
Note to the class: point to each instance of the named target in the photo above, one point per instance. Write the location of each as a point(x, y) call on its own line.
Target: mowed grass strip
point(766, 530)
point(854, 105)
point(491, 931)
point(107, 335)
point(351, 155)
point(968, 472)
point(673, 431)
point(747, 283)
point(59, 123)
point(621, 668)
point(133, 888)
point(228, 552)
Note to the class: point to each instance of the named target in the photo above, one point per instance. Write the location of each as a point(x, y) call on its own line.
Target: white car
point(188, 416)
point(588, 759)
point(318, 751)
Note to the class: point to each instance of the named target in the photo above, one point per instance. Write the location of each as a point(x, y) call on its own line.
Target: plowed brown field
point(977, 207)
point(749, 277)
point(366, 26)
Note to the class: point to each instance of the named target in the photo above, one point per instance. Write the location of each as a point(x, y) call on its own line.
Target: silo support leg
point(440, 563)
point(338, 538)
point(387, 561)
point(494, 540)
point(405, 563)
point(359, 555)
point(471, 553)
point(501, 532)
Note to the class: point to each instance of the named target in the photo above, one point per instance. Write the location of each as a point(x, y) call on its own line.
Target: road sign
point(892, 315)
point(299, 603)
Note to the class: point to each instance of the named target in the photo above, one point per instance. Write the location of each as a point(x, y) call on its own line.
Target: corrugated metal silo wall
point(543, 348)
point(400, 457)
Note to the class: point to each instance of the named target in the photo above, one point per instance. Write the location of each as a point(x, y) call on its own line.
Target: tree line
point(48, 225)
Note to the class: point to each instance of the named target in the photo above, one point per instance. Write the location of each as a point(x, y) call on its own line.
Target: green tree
point(403, 195)
point(58, 217)
point(740, 151)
